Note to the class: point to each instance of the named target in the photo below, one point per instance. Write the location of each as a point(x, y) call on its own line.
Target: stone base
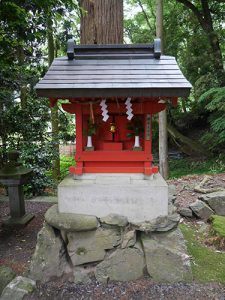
point(109, 249)
point(24, 220)
point(135, 196)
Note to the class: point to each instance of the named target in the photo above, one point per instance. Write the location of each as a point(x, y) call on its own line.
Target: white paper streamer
point(129, 109)
point(104, 110)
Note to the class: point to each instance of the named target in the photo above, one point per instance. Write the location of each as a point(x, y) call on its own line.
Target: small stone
point(70, 222)
point(166, 256)
point(216, 201)
point(114, 219)
point(6, 275)
point(122, 265)
point(200, 222)
point(171, 193)
point(83, 275)
point(201, 209)
point(18, 288)
point(162, 223)
point(186, 212)
point(50, 257)
point(129, 239)
point(204, 228)
point(172, 209)
point(168, 223)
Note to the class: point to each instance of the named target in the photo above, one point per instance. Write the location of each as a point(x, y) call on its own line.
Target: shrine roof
point(113, 71)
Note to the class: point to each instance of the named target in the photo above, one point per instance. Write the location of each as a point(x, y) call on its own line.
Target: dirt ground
point(17, 246)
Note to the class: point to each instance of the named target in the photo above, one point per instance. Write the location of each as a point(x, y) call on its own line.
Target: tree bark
point(54, 110)
point(205, 19)
point(101, 21)
point(163, 138)
point(185, 144)
point(23, 88)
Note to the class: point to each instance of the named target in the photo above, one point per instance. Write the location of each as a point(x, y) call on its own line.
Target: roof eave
point(116, 92)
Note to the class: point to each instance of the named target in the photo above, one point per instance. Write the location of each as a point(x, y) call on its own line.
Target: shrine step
point(130, 195)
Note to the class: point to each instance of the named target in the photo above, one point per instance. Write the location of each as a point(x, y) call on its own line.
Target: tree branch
point(194, 9)
point(145, 15)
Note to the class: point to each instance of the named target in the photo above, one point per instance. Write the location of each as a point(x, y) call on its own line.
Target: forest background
point(194, 32)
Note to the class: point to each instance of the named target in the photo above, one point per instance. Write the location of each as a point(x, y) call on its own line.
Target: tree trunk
point(163, 139)
point(54, 110)
point(185, 144)
point(101, 21)
point(23, 88)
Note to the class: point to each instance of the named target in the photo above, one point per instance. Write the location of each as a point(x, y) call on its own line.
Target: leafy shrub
point(38, 157)
point(65, 163)
point(214, 102)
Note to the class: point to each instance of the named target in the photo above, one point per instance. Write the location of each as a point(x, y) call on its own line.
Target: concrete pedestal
point(135, 196)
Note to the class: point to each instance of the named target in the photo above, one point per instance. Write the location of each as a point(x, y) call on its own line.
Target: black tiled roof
point(114, 70)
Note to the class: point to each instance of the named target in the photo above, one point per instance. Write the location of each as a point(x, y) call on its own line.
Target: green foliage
point(24, 119)
point(188, 41)
point(187, 166)
point(139, 26)
point(214, 101)
point(26, 132)
point(136, 127)
point(207, 264)
point(38, 157)
point(91, 128)
point(65, 163)
point(218, 225)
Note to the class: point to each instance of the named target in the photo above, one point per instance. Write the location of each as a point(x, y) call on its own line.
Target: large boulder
point(18, 288)
point(6, 275)
point(216, 201)
point(70, 222)
point(122, 265)
point(166, 256)
point(201, 209)
point(90, 246)
point(50, 257)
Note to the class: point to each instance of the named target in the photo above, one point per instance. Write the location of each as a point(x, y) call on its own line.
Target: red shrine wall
point(113, 152)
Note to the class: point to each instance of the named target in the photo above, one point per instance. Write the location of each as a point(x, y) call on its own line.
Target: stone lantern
point(14, 175)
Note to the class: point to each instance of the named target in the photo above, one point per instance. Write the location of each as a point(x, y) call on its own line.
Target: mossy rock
point(6, 275)
point(218, 225)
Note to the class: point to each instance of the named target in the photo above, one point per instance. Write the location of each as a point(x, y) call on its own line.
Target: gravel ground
point(17, 246)
point(136, 290)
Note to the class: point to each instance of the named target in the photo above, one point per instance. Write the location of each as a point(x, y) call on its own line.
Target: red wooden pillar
point(147, 145)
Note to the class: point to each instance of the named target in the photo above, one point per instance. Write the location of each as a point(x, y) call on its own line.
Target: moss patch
point(207, 264)
point(26, 286)
point(218, 225)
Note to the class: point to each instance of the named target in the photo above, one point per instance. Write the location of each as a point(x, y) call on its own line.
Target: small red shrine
point(114, 90)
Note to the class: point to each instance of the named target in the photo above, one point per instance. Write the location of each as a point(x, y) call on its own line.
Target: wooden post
point(79, 139)
point(54, 110)
point(163, 139)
